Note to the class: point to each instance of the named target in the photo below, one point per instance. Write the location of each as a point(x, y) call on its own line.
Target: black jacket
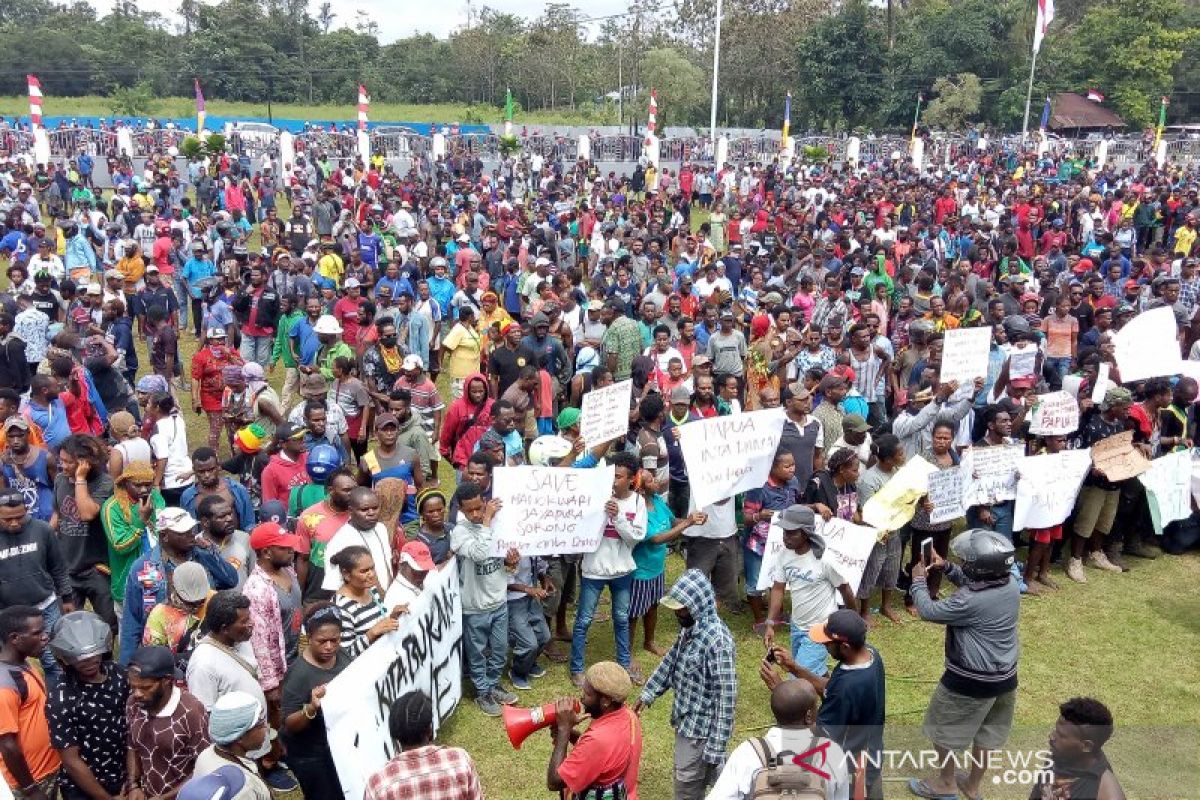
point(14, 369)
point(268, 307)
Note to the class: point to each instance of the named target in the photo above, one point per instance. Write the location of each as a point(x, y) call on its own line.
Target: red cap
point(417, 555)
point(272, 534)
point(1024, 382)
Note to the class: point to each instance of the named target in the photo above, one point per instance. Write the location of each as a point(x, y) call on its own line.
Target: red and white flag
point(35, 100)
point(1095, 96)
point(364, 105)
point(1045, 15)
point(652, 121)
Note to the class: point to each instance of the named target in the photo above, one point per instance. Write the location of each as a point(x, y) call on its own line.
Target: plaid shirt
point(432, 772)
point(1189, 292)
point(700, 668)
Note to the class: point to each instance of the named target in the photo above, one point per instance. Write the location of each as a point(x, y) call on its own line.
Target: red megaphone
point(519, 723)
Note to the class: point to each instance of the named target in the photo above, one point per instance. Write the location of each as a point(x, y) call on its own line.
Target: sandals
point(921, 788)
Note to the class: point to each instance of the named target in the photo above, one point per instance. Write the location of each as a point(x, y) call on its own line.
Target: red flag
point(35, 100)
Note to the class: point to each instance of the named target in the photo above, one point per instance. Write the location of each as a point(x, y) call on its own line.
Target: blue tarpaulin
point(216, 124)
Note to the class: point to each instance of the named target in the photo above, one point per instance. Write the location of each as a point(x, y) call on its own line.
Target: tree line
point(850, 64)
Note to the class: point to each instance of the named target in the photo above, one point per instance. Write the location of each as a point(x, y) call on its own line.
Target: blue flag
point(1046, 115)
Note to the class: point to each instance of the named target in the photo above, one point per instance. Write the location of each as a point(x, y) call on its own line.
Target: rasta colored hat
point(250, 439)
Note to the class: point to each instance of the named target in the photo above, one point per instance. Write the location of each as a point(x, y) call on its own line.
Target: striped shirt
point(357, 619)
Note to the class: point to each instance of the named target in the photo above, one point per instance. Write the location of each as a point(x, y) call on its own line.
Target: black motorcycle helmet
point(985, 554)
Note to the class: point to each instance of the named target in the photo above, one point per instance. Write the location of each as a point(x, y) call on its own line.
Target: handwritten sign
point(847, 547)
point(1022, 363)
point(549, 510)
point(948, 493)
point(1168, 488)
point(1054, 414)
point(1117, 458)
point(1048, 486)
point(1148, 346)
point(894, 504)
point(423, 654)
point(727, 455)
point(993, 473)
point(1071, 384)
point(965, 355)
point(604, 415)
point(1102, 384)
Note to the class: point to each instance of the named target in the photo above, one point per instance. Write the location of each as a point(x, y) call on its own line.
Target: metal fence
point(617, 148)
point(399, 142)
point(335, 144)
point(484, 146)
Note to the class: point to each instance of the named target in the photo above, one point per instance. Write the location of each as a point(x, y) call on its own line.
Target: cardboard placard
point(1117, 458)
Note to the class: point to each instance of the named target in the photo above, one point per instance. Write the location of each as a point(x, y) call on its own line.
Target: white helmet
point(545, 450)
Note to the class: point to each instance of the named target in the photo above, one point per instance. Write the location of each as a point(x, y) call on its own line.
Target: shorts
point(1095, 511)
point(643, 594)
point(883, 566)
point(751, 567)
point(956, 722)
point(807, 653)
point(1045, 535)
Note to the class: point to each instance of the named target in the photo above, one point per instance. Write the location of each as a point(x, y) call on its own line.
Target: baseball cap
point(175, 519)
point(843, 625)
point(272, 534)
point(352, 283)
point(273, 511)
point(797, 518)
point(795, 391)
point(151, 268)
point(680, 394)
point(699, 361)
point(568, 417)
point(190, 581)
point(412, 361)
point(313, 383)
point(113, 275)
point(289, 431)
point(417, 555)
point(1024, 382)
point(94, 288)
point(383, 420)
point(15, 422)
point(854, 423)
point(155, 662)
point(214, 333)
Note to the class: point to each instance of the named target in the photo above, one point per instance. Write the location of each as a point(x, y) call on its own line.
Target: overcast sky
point(400, 18)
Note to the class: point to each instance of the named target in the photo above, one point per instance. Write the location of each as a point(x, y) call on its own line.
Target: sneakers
point(1099, 560)
point(488, 706)
point(280, 780)
point(537, 671)
point(1075, 571)
point(519, 683)
point(503, 696)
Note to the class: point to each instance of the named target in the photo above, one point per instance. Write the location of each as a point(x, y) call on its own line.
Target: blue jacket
point(146, 587)
point(308, 344)
point(80, 253)
point(241, 503)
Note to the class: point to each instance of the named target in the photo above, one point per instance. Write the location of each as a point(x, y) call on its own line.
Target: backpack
point(780, 777)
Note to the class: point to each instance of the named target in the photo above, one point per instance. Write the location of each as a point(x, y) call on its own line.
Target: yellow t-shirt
point(464, 345)
point(1185, 238)
point(331, 266)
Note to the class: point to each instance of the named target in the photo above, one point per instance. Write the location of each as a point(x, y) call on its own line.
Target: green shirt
point(125, 531)
point(280, 350)
point(334, 352)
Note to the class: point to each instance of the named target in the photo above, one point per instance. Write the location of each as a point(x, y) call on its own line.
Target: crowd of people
point(362, 347)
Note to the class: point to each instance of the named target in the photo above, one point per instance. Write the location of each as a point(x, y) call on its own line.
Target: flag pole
point(1029, 96)
point(916, 116)
point(712, 118)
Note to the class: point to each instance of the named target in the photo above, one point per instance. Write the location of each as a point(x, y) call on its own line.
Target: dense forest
point(849, 64)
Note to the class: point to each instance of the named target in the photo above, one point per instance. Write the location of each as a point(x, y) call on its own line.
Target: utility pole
point(712, 119)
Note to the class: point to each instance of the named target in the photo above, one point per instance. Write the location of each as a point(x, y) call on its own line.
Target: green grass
point(1129, 640)
point(185, 107)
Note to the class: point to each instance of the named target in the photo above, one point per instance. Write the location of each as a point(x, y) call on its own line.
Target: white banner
point(1054, 414)
point(727, 455)
point(604, 415)
point(993, 473)
point(965, 355)
point(1168, 485)
point(549, 510)
point(847, 547)
point(1148, 347)
point(1102, 384)
point(1048, 487)
point(894, 504)
point(1022, 363)
point(424, 654)
point(948, 493)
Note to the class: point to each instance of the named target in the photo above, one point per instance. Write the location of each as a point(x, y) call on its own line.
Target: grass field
point(1129, 640)
point(185, 107)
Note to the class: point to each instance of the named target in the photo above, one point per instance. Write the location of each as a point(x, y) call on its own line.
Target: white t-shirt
point(377, 541)
point(812, 584)
point(721, 523)
point(169, 441)
point(664, 359)
point(735, 780)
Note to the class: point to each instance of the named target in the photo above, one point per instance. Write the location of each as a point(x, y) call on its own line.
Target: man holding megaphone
point(603, 764)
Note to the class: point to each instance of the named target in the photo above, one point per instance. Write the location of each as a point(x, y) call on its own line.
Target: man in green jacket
point(281, 352)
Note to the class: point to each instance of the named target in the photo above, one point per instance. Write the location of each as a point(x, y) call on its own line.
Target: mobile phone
point(927, 550)
point(770, 657)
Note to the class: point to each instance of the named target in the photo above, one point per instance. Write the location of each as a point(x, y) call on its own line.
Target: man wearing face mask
point(608, 753)
point(700, 667)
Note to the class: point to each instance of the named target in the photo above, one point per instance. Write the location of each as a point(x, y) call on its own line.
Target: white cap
point(175, 519)
point(437, 261)
point(542, 262)
point(352, 283)
point(464, 239)
point(412, 362)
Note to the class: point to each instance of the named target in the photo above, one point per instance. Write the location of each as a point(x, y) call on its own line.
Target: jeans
point(528, 634)
point(257, 348)
point(51, 614)
point(807, 653)
point(184, 298)
point(1003, 512)
point(486, 635)
point(589, 595)
point(1061, 365)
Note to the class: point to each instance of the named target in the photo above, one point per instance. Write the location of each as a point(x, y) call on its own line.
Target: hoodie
point(483, 577)
point(412, 433)
point(465, 423)
point(700, 667)
point(32, 569)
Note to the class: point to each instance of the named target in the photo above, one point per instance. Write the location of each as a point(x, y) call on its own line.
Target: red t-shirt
point(346, 313)
point(609, 750)
point(252, 328)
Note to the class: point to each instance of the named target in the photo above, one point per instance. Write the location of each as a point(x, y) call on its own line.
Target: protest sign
point(894, 504)
point(604, 415)
point(1117, 458)
point(423, 654)
point(947, 492)
point(1071, 385)
point(965, 355)
point(992, 473)
point(847, 547)
point(727, 455)
point(1102, 384)
point(1148, 347)
point(1022, 363)
point(1054, 414)
point(1168, 488)
point(549, 510)
point(1048, 487)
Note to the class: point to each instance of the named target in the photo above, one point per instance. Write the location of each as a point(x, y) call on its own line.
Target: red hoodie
point(465, 423)
point(281, 474)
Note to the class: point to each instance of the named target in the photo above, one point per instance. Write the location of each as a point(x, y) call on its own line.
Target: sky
point(400, 18)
